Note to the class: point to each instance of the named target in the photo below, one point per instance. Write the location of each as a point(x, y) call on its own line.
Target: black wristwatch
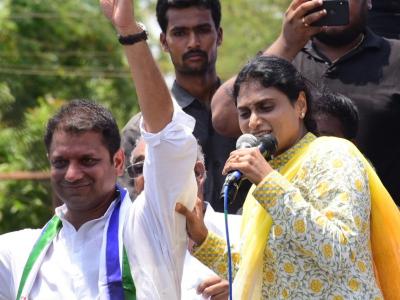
point(133, 38)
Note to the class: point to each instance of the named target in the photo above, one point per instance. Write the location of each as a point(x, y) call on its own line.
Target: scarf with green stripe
point(115, 279)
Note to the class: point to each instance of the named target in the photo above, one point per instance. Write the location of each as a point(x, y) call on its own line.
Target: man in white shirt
point(98, 245)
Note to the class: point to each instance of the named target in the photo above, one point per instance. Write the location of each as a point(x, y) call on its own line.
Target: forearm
point(223, 109)
point(213, 253)
point(154, 98)
point(281, 48)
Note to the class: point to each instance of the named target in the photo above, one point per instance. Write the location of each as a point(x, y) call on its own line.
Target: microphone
point(246, 140)
point(267, 145)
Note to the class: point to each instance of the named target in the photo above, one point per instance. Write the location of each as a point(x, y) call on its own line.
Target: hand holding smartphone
point(337, 13)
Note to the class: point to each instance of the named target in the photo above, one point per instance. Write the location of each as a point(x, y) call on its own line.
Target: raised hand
point(296, 29)
point(195, 226)
point(120, 13)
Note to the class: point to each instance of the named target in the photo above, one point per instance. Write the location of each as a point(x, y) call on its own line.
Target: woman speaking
point(307, 226)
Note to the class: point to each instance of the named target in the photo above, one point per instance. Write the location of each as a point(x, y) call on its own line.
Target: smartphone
point(337, 13)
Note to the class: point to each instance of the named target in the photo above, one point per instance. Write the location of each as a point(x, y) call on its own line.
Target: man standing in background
point(191, 35)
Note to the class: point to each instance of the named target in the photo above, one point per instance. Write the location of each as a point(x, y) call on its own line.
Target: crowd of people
point(314, 220)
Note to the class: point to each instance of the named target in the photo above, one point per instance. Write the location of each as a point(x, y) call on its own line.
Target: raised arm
point(223, 109)
point(296, 32)
point(154, 98)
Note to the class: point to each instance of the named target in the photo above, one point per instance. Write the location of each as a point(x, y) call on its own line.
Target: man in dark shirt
point(350, 60)
point(191, 34)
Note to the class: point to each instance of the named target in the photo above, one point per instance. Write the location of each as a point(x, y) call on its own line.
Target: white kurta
point(153, 233)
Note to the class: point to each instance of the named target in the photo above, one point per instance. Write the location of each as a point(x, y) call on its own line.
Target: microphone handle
point(232, 181)
point(233, 177)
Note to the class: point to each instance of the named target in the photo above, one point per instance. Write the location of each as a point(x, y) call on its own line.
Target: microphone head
point(268, 144)
point(247, 140)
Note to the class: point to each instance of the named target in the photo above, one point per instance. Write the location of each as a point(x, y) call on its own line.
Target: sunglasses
point(135, 170)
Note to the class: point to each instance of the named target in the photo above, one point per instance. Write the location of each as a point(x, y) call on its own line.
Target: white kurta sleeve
point(155, 235)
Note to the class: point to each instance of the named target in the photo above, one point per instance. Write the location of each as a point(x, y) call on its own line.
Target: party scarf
point(113, 283)
point(385, 233)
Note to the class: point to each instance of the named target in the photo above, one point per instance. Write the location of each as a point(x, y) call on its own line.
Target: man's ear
point(220, 36)
point(118, 161)
point(163, 42)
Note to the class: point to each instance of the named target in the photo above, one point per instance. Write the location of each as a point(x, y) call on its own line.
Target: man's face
point(138, 156)
point(191, 39)
point(82, 173)
point(343, 35)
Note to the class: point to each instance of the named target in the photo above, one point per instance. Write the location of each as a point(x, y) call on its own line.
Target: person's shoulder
point(394, 49)
point(385, 45)
point(394, 42)
point(23, 235)
point(329, 144)
point(21, 240)
point(327, 152)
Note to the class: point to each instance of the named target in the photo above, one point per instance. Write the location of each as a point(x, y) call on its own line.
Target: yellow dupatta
point(385, 234)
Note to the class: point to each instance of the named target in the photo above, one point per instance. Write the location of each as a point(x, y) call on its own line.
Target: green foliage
point(6, 100)
point(25, 203)
point(63, 49)
point(249, 27)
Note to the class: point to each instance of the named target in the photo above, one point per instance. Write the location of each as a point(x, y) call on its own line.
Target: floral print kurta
point(319, 243)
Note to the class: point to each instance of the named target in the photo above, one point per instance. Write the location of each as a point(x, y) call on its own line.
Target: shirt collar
point(182, 96)
point(282, 159)
point(62, 210)
point(370, 41)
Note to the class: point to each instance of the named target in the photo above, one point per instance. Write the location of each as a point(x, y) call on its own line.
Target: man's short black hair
point(79, 116)
point(163, 6)
point(340, 107)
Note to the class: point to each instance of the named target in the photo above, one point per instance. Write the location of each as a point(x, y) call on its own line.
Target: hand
point(296, 29)
point(250, 162)
point(120, 13)
point(214, 287)
point(195, 226)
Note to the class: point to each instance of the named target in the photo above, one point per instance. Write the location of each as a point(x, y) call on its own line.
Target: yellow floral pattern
point(318, 247)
